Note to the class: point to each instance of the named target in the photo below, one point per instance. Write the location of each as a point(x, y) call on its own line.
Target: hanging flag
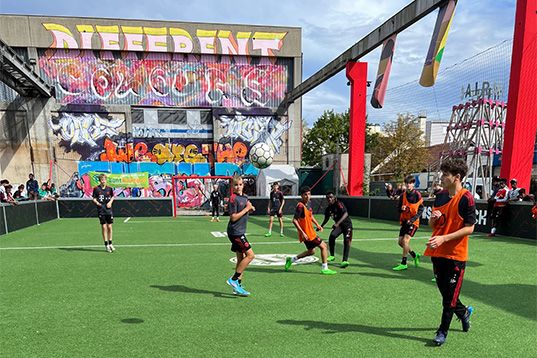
point(383, 73)
point(438, 44)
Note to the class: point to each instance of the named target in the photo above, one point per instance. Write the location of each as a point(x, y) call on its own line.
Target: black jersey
point(216, 197)
point(103, 196)
point(276, 200)
point(336, 211)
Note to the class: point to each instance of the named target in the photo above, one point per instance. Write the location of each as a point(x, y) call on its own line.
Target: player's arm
point(237, 215)
point(400, 204)
point(281, 206)
point(326, 217)
point(319, 227)
point(436, 241)
point(345, 215)
point(299, 229)
point(111, 201)
point(95, 198)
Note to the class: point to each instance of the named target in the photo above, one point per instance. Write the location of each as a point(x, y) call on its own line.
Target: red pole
point(357, 75)
point(521, 121)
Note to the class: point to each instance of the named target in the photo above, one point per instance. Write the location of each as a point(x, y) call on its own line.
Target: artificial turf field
point(163, 294)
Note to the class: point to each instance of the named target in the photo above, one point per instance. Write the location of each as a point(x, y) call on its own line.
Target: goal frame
point(175, 178)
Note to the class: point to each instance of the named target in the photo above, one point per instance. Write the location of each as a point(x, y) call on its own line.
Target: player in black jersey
point(343, 225)
point(216, 198)
point(103, 197)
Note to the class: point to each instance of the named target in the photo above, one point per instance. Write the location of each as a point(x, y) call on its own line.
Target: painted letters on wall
point(91, 77)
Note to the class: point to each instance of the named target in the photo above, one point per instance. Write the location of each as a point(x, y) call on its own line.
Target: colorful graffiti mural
point(164, 39)
point(161, 80)
point(252, 129)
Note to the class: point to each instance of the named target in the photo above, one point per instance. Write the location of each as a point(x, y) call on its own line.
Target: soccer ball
point(261, 155)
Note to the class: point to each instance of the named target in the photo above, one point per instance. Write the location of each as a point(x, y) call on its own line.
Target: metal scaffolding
point(475, 133)
point(18, 75)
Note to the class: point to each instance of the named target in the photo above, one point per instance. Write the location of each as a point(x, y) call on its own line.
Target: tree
point(401, 149)
point(330, 134)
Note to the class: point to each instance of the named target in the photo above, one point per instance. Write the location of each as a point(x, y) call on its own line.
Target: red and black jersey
point(336, 211)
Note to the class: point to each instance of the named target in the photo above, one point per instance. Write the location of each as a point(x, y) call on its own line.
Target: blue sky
point(328, 29)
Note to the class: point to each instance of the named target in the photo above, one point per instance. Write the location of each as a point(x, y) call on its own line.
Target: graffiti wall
point(163, 79)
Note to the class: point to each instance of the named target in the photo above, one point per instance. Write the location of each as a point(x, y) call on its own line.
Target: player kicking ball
point(239, 208)
point(411, 207)
point(452, 220)
point(103, 197)
point(304, 221)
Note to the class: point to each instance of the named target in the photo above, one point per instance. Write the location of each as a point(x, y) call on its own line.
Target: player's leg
point(280, 219)
point(109, 228)
point(347, 241)
point(271, 221)
point(324, 256)
point(245, 255)
point(290, 260)
point(332, 243)
point(410, 234)
point(401, 243)
point(104, 231)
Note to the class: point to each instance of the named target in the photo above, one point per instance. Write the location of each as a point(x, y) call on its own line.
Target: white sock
point(493, 231)
point(324, 266)
point(270, 231)
point(294, 259)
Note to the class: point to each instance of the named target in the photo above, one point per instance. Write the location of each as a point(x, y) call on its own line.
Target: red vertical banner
point(521, 121)
point(357, 75)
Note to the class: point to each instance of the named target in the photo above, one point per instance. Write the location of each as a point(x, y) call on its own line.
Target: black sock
point(413, 254)
point(240, 282)
point(106, 243)
point(403, 261)
point(236, 276)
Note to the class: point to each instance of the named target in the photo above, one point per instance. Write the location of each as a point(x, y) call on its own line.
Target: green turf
point(73, 299)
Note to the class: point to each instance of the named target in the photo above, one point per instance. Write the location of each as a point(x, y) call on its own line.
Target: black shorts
point(275, 213)
point(239, 243)
point(106, 219)
point(406, 229)
point(345, 230)
point(311, 244)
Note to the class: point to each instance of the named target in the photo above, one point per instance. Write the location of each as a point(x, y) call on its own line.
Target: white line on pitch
point(187, 245)
point(127, 219)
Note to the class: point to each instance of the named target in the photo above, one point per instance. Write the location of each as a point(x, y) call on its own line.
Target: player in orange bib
point(304, 221)
point(410, 208)
point(452, 220)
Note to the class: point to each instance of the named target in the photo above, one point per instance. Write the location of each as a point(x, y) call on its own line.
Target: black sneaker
point(440, 338)
point(465, 320)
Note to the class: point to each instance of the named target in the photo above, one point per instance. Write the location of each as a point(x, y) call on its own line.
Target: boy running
point(103, 197)
point(304, 221)
point(411, 207)
point(216, 198)
point(275, 208)
point(239, 207)
point(343, 225)
point(452, 220)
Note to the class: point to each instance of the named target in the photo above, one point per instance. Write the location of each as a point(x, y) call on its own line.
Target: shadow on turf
point(83, 249)
point(392, 332)
point(518, 299)
point(132, 320)
point(185, 289)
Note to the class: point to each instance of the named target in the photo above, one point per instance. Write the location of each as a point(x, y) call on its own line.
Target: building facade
point(147, 96)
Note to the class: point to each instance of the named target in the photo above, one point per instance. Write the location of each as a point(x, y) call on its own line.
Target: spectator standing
point(32, 187)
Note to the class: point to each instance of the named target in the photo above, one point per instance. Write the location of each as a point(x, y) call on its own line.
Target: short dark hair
point(4, 181)
point(304, 189)
point(454, 167)
point(330, 193)
point(410, 179)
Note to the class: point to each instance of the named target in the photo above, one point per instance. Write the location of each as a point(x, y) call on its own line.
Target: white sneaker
point(112, 248)
point(108, 249)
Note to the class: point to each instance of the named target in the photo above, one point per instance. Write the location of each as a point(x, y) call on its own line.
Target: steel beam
point(409, 15)
point(18, 75)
